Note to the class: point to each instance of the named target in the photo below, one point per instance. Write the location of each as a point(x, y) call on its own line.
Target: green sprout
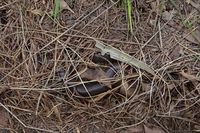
point(56, 9)
point(128, 7)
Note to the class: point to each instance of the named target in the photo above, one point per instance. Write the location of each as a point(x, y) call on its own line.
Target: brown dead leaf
point(64, 5)
point(56, 111)
point(168, 15)
point(96, 74)
point(4, 118)
point(152, 130)
point(176, 53)
point(189, 76)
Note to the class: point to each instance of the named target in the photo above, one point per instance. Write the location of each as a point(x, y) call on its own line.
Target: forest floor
point(53, 75)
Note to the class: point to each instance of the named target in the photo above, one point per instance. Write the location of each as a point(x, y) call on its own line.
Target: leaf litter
point(171, 103)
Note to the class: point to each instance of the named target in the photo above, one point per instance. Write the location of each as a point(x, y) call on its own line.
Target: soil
point(42, 60)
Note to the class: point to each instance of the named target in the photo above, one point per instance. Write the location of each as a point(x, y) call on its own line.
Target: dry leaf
point(176, 53)
point(189, 76)
point(55, 111)
point(96, 74)
point(64, 5)
point(168, 15)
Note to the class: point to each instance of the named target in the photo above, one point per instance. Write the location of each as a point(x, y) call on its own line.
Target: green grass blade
point(56, 9)
point(129, 14)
